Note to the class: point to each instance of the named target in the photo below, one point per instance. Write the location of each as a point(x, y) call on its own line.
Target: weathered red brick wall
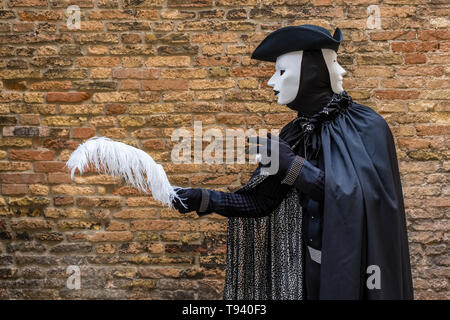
point(135, 71)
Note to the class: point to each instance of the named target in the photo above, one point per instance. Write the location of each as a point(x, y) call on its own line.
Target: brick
point(392, 35)
point(415, 58)
point(174, 73)
point(418, 143)
point(83, 133)
point(72, 213)
point(106, 248)
point(34, 201)
point(99, 202)
point(169, 121)
point(67, 96)
point(427, 166)
point(374, 71)
point(136, 214)
point(31, 224)
point(32, 120)
point(151, 225)
point(438, 202)
point(8, 272)
point(211, 227)
point(379, 59)
point(8, 120)
point(178, 61)
point(186, 226)
point(50, 166)
point(411, 46)
point(84, 108)
point(151, 108)
point(78, 224)
point(63, 201)
point(169, 84)
point(102, 121)
point(211, 84)
point(131, 121)
point(73, 190)
point(15, 166)
point(96, 179)
point(38, 189)
point(117, 226)
point(433, 130)
point(215, 61)
point(97, 61)
point(116, 109)
point(15, 142)
point(396, 94)
point(59, 143)
point(59, 177)
point(31, 155)
point(39, 260)
point(111, 236)
point(433, 34)
point(136, 73)
point(123, 97)
point(113, 133)
point(13, 189)
point(26, 178)
point(58, 121)
point(435, 71)
point(71, 247)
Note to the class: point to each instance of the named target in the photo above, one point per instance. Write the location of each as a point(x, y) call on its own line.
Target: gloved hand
point(282, 153)
point(191, 197)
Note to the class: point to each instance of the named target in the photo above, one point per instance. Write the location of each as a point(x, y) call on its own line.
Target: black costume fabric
point(295, 38)
point(314, 90)
point(363, 215)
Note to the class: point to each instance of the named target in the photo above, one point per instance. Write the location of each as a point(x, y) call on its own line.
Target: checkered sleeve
point(255, 203)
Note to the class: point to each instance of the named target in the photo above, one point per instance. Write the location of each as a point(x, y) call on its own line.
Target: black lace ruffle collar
point(337, 104)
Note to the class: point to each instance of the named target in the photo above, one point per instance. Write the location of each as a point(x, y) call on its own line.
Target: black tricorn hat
point(295, 38)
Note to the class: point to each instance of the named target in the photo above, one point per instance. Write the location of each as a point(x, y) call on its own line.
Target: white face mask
point(335, 70)
point(286, 78)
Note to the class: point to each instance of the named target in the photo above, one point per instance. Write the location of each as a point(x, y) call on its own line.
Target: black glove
point(285, 154)
point(191, 197)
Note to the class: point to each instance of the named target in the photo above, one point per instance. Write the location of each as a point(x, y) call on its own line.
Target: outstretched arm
point(262, 199)
point(302, 174)
point(257, 202)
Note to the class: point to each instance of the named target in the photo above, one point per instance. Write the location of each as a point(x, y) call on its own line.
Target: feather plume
point(127, 163)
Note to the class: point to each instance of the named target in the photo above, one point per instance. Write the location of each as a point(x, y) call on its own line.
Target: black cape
point(363, 219)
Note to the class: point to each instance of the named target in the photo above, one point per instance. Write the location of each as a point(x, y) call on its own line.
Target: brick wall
point(135, 71)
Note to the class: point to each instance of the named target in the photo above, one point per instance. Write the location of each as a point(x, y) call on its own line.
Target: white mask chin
point(334, 68)
point(286, 78)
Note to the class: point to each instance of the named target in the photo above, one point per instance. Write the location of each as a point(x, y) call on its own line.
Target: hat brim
point(295, 38)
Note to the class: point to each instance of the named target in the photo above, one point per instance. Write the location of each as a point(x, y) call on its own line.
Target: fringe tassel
point(127, 163)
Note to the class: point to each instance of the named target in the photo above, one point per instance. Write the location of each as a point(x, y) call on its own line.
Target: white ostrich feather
point(125, 162)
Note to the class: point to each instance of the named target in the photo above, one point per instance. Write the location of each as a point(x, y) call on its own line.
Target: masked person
point(330, 223)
